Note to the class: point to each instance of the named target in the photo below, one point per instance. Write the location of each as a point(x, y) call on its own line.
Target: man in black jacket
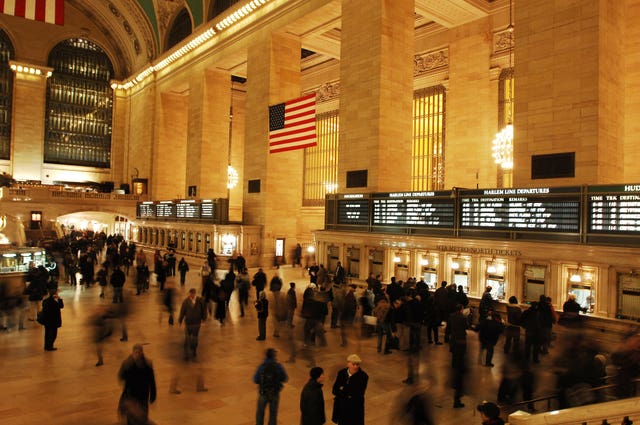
point(348, 390)
point(139, 387)
point(312, 399)
point(51, 318)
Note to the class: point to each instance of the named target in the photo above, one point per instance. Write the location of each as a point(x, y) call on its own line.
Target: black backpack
point(269, 382)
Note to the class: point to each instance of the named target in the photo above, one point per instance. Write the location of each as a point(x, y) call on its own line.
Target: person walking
point(348, 390)
point(183, 268)
point(51, 318)
point(262, 307)
point(117, 281)
point(312, 399)
point(193, 312)
point(270, 377)
point(139, 387)
point(458, 341)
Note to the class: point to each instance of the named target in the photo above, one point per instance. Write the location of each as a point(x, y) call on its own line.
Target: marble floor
point(65, 386)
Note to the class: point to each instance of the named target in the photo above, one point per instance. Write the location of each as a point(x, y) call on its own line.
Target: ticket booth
point(580, 282)
point(353, 262)
point(495, 272)
point(460, 268)
point(198, 242)
point(183, 239)
point(429, 269)
point(207, 242)
point(376, 262)
point(401, 265)
point(628, 296)
point(229, 243)
point(535, 278)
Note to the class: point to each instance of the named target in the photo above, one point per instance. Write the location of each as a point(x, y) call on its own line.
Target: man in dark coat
point(259, 281)
point(51, 318)
point(139, 387)
point(312, 399)
point(262, 307)
point(117, 281)
point(193, 312)
point(348, 391)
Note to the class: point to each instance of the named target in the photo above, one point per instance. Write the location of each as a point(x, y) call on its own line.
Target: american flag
point(292, 125)
point(50, 11)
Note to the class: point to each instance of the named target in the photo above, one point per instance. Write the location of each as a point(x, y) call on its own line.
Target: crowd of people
point(394, 314)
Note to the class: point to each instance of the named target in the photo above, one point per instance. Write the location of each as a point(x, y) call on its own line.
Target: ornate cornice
point(431, 61)
point(503, 41)
point(327, 91)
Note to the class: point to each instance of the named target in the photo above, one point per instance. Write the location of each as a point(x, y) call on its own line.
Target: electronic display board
point(207, 210)
point(146, 210)
point(614, 209)
point(353, 209)
point(425, 209)
point(188, 210)
point(524, 209)
point(165, 210)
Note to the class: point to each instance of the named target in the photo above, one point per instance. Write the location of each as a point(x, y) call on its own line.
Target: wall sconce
point(424, 262)
point(396, 259)
point(311, 249)
point(576, 277)
point(455, 263)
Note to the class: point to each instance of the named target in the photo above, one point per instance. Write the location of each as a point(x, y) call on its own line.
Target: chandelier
point(503, 147)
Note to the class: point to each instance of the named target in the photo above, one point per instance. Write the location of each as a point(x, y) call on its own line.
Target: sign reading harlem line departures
point(529, 209)
point(425, 209)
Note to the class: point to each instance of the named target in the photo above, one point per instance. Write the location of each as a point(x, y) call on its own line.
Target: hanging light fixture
point(502, 145)
point(576, 276)
point(232, 177)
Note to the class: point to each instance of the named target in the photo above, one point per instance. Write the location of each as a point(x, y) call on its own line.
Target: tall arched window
point(219, 6)
point(506, 99)
point(427, 152)
point(6, 95)
point(321, 161)
point(180, 29)
point(79, 105)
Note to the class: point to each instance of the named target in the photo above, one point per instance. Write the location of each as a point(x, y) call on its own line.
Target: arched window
point(506, 100)
point(79, 105)
point(219, 6)
point(321, 161)
point(180, 29)
point(6, 95)
point(427, 151)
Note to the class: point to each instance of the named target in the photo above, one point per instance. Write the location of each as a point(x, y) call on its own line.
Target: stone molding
point(503, 41)
point(430, 61)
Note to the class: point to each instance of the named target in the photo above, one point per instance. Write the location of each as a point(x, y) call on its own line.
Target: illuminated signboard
point(614, 209)
point(353, 209)
point(425, 209)
point(524, 209)
point(188, 210)
point(165, 209)
point(146, 210)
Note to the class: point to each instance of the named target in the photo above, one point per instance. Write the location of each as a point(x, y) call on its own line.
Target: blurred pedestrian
point(490, 413)
point(193, 313)
point(312, 399)
point(348, 391)
point(183, 268)
point(512, 330)
point(269, 376)
point(458, 342)
point(262, 307)
point(139, 387)
point(51, 318)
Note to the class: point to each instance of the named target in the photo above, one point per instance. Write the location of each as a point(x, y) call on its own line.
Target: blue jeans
point(273, 409)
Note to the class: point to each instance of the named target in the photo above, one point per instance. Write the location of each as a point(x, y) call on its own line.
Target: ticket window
point(183, 240)
point(401, 266)
point(228, 244)
point(207, 242)
point(428, 270)
point(333, 254)
point(581, 284)
point(534, 282)
point(376, 262)
point(494, 277)
point(628, 296)
point(460, 272)
point(198, 242)
point(353, 262)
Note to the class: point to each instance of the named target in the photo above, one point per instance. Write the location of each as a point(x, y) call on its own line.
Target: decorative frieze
point(428, 62)
point(328, 91)
point(503, 41)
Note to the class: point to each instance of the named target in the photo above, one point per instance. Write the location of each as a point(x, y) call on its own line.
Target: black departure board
point(353, 209)
point(146, 210)
point(207, 211)
point(524, 209)
point(165, 210)
point(188, 210)
point(614, 209)
point(424, 209)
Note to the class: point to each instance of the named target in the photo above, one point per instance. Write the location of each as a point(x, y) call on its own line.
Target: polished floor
point(65, 386)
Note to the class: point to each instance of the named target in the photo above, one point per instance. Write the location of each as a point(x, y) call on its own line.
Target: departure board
point(207, 211)
point(524, 209)
point(146, 210)
point(353, 209)
point(424, 209)
point(614, 209)
point(189, 211)
point(165, 210)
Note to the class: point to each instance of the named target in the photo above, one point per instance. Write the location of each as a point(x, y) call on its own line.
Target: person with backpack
point(270, 377)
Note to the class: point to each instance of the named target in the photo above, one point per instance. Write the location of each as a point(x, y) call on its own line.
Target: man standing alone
point(193, 312)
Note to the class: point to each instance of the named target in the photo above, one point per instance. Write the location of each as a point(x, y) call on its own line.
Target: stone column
point(273, 76)
point(29, 100)
point(569, 80)
point(376, 84)
point(208, 133)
